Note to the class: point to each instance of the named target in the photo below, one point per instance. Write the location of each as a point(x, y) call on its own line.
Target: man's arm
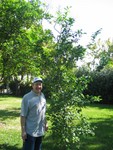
point(23, 131)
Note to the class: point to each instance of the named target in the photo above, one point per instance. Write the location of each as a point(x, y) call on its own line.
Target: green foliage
point(101, 53)
point(106, 56)
point(101, 85)
point(68, 125)
point(24, 43)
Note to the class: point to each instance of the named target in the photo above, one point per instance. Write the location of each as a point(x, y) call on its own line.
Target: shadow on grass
point(101, 106)
point(103, 139)
point(46, 145)
point(9, 114)
point(9, 147)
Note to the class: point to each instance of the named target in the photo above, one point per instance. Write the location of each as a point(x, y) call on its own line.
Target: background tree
point(106, 56)
point(101, 73)
point(21, 32)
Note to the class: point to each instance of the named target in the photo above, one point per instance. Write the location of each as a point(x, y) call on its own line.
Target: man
point(33, 121)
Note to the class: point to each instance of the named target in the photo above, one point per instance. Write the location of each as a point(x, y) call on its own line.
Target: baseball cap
point(37, 79)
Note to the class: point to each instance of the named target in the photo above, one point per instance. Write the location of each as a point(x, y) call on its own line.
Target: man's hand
point(46, 126)
point(24, 136)
point(23, 130)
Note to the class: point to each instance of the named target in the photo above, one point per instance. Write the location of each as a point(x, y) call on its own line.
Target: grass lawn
point(100, 116)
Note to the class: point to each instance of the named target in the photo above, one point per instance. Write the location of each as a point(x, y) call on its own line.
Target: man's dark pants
point(32, 143)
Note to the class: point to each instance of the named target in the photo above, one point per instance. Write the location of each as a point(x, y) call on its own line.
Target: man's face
point(37, 87)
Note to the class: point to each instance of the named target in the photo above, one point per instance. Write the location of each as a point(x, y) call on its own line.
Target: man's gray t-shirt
point(33, 107)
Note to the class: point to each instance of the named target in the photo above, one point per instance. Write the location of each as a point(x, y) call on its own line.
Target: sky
point(89, 15)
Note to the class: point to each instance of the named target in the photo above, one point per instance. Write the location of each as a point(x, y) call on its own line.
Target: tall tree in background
point(106, 56)
point(21, 28)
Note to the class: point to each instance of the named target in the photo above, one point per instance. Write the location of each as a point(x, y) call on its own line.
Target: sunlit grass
point(97, 111)
point(10, 138)
point(100, 116)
